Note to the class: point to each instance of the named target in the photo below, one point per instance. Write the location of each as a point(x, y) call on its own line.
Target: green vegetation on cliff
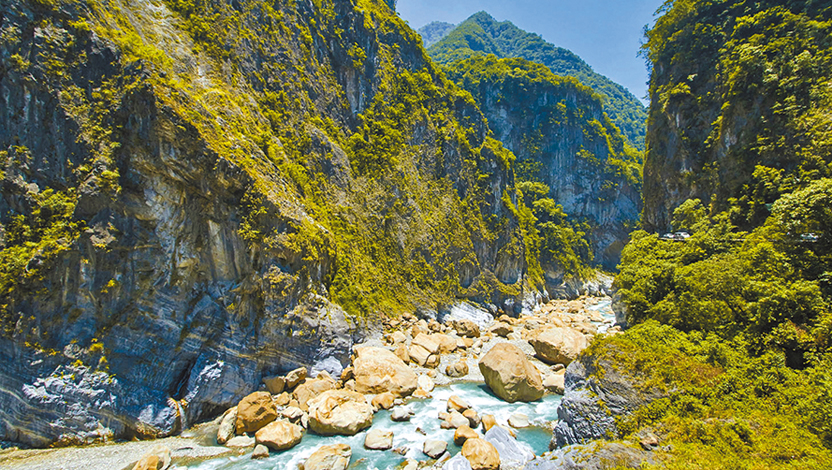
point(562, 138)
point(740, 101)
point(369, 175)
point(482, 34)
point(735, 87)
point(719, 407)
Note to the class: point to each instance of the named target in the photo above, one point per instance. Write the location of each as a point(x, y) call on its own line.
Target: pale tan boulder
point(295, 377)
point(433, 448)
point(255, 411)
point(473, 418)
point(260, 452)
point(463, 433)
point(275, 385)
point(426, 383)
point(554, 383)
point(241, 441)
point(331, 457)
point(157, 459)
point(419, 354)
point(457, 369)
point(311, 389)
point(279, 435)
point(347, 374)
point(518, 421)
point(501, 329)
point(421, 394)
point(454, 420)
point(558, 345)
point(510, 375)
point(488, 422)
point(378, 439)
point(378, 370)
point(283, 399)
point(402, 353)
point(466, 328)
point(148, 462)
point(398, 337)
point(481, 454)
point(428, 342)
point(447, 344)
point(455, 403)
point(383, 401)
point(339, 412)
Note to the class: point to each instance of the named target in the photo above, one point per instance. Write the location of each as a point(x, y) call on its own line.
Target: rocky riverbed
point(459, 392)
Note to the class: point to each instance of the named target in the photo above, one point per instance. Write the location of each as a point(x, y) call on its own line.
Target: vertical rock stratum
point(199, 194)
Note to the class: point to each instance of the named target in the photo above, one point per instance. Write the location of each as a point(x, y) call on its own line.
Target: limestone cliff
point(198, 194)
point(735, 90)
point(558, 130)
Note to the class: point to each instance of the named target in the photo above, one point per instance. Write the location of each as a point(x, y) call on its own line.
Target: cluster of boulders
point(494, 447)
point(407, 365)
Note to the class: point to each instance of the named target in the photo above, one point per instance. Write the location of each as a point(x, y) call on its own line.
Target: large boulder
point(377, 370)
point(275, 384)
point(332, 457)
point(510, 375)
point(295, 377)
point(446, 343)
point(312, 388)
point(463, 433)
point(255, 411)
point(341, 412)
point(428, 342)
point(558, 345)
point(279, 435)
point(481, 454)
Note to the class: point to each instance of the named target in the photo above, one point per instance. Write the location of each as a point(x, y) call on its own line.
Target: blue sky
point(607, 34)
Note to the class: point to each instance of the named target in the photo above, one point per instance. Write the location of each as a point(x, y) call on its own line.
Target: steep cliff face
point(734, 87)
point(562, 137)
point(481, 34)
point(196, 195)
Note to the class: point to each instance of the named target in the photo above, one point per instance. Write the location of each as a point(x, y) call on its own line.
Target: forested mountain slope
point(739, 94)
point(568, 151)
point(482, 34)
point(197, 194)
point(730, 348)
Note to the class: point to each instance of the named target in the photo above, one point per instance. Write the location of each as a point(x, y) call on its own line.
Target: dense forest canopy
point(739, 157)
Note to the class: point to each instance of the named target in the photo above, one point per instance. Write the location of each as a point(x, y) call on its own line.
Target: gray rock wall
point(160, 311)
